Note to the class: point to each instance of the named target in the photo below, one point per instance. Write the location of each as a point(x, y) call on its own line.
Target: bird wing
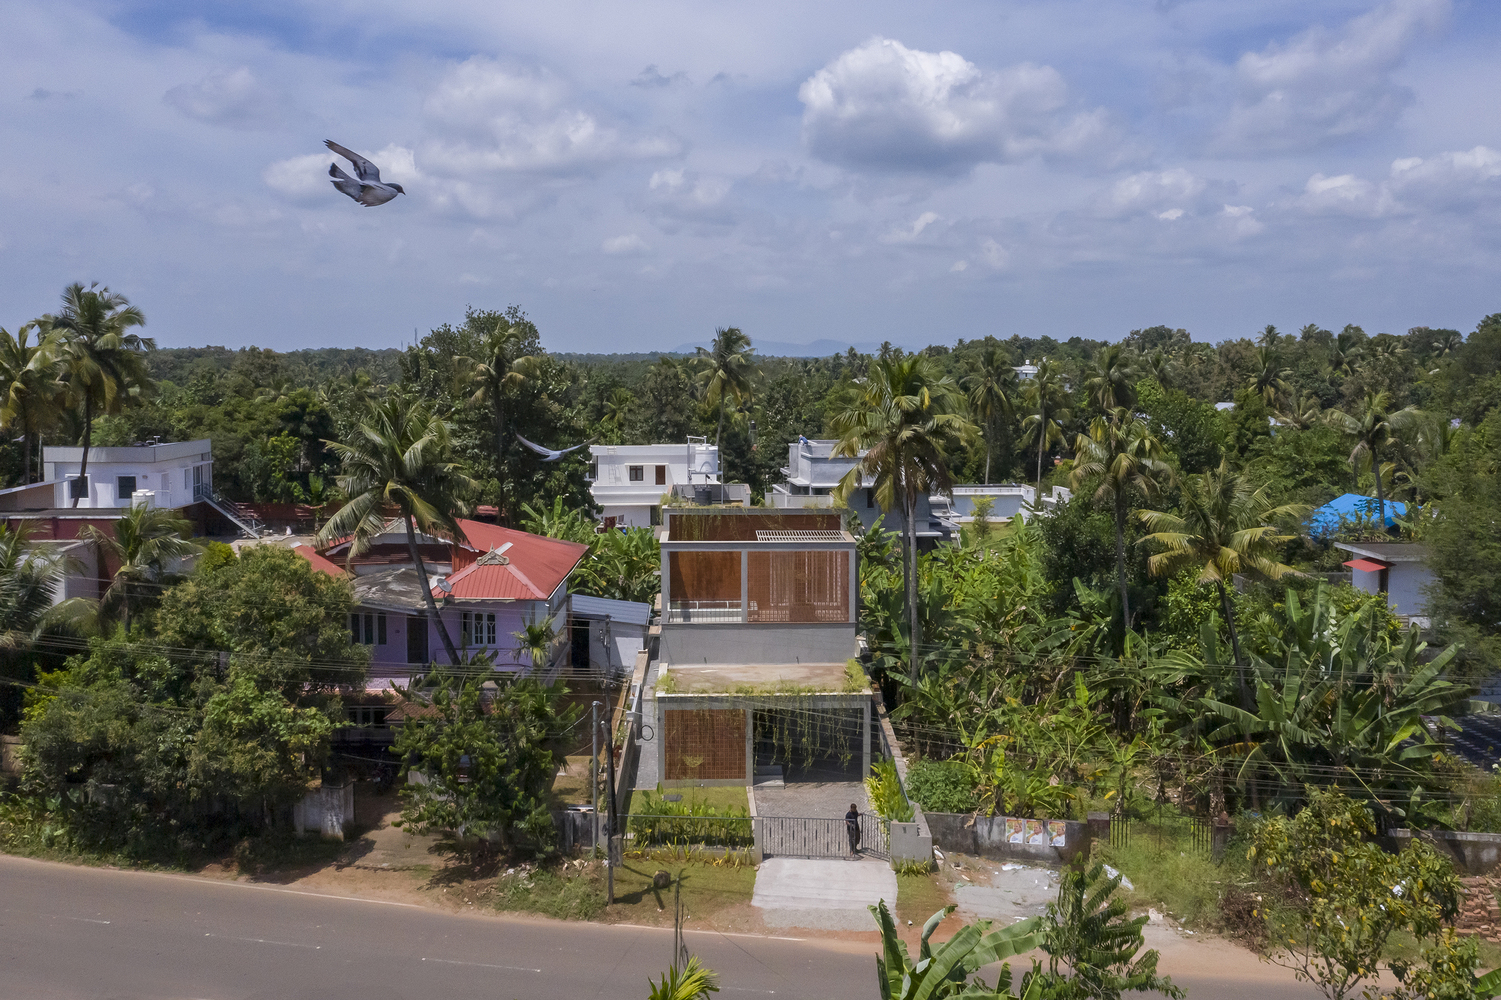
point(363, 168)
point(547, 453)
point(344, 182)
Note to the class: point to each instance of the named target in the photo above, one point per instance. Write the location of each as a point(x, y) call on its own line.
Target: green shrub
point(885, 792)
point(942, 785)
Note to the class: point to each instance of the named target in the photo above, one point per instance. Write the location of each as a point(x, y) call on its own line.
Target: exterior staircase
point(237, 514)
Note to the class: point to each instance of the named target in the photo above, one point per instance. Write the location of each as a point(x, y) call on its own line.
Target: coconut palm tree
point(906, 411)
point(31, 388)
point(28, 580)
point(492, 379)
point(617, 406)
point(1045, 401)
point(1374, 431)
point(1269, 381)
point(1346, 354)
point(1225, 526)
point(992, 392)
point(1122, 455)
point(104, 363)
point(1302, 413)
point(399, 460)
point(145, 542)
point(726, 371)
point(691, 982)
point(1110, 380)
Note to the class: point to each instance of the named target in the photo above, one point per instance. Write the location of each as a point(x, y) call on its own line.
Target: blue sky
point(636, 175)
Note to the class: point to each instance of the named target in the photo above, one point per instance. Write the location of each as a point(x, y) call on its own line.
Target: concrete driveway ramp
point(822, 894)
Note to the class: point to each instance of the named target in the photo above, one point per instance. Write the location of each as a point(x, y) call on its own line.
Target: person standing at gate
point(852, 827)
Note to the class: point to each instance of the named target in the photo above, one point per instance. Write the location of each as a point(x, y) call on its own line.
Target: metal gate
point(810, 837)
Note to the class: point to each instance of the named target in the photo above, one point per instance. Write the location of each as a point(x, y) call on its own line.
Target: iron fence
point(818, 837)
point(1120, 831)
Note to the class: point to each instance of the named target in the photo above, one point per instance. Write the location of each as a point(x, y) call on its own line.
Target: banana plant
point(946, 971)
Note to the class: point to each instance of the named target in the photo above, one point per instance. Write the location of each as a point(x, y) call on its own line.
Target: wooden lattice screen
point(705, 744)
point(799, 586)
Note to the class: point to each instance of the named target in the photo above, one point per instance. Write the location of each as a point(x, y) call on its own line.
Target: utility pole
point(594, 782)
point(610, 823)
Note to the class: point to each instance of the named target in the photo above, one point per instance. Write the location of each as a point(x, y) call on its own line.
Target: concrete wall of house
point(738, 642)
point(1475, 853)
point(1006, 502)
point(1405, 584)
point(1049, 841)
point(510, 618)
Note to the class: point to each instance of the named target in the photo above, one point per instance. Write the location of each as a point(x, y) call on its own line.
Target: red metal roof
point(1368, 565)
point(530, 569)
point(321, 564)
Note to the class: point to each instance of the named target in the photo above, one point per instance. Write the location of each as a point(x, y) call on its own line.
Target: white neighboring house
point(628, 480)
point(1399, 570)
point(813, 472)
point(161, 474)
point(608, 634)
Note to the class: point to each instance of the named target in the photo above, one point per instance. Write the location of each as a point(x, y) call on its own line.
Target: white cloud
point(884, 106)
point(1452, 181)
point(995, 255)
point(1171, 215)
point(629, 243)
point(498, 119)
point(908, 234)
point(959, 266)
point(299, 176)
point(1323, 85)
point(234, 98)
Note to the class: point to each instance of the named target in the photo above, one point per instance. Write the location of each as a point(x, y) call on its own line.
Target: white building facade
point(164, 475)
point(628, 481)
point(812, 474)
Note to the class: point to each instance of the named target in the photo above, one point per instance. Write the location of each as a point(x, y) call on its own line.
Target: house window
point(124, 487)
point(477, 628)
point(372, 716)
point(367, 629)
point(661, 475)
point(870, 499)
point(78, 488)
point(638, 473)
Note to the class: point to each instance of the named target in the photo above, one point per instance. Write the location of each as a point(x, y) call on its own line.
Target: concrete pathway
point(820, 799)
point(646, 764)
point(822, 894)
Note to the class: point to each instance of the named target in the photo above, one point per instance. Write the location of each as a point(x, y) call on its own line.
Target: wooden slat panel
point(705, 744)
point(704, 576)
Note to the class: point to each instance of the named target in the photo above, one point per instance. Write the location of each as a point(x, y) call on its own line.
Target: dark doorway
point(417, 639)
point(580, 651)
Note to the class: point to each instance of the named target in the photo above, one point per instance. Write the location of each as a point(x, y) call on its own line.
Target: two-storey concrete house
point(628, 481)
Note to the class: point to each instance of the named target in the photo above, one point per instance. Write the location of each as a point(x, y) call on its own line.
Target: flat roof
point(165, 451)
point(726, 678)
point(1387, 551)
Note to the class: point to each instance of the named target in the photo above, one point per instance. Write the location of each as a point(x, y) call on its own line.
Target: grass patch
point(1170, 875)
point(707, 889)
point(918, 897)
point(571, 785)
point(576, 891)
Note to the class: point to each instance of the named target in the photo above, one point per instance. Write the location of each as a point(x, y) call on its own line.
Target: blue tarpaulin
point(1352, 507)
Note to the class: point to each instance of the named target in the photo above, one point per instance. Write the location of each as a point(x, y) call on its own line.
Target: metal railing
point(818, 837)
point(704, 611)
point(238, 515)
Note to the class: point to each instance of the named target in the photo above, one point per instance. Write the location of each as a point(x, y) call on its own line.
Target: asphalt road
point(89, 934)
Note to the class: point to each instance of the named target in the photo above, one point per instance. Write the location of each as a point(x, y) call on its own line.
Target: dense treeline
point(1167, 617)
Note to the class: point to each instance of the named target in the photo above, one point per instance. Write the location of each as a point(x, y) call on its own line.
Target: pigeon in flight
point(548, 454)
point(368, 189)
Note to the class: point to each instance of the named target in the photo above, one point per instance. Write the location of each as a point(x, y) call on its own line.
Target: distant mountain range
point(780, 349)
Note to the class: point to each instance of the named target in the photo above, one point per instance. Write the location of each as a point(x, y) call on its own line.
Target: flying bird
point(365, 187)
point(548, 454)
